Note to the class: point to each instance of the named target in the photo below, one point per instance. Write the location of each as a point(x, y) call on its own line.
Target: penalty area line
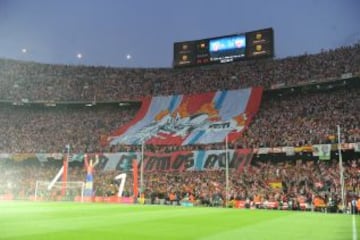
point(354, 231)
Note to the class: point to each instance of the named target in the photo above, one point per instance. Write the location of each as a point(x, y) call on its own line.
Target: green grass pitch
point(51, 220)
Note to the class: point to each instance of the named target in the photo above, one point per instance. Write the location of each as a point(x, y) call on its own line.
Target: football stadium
point(228, 143)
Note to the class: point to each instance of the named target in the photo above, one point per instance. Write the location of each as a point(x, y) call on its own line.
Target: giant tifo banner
point(191, 119)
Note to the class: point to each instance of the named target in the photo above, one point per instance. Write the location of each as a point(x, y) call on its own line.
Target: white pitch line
point(354, 231)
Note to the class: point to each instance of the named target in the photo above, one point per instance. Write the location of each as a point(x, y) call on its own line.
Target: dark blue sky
point(105, 31)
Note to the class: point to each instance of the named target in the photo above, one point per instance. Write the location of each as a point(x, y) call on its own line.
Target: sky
point(141, 33)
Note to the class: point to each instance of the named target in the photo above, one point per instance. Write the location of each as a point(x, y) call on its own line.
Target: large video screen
point(224, 49)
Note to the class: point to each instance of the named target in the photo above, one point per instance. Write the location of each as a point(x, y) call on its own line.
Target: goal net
point(59, 191)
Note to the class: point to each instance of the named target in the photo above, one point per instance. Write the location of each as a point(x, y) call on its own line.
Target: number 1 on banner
point(122, 178)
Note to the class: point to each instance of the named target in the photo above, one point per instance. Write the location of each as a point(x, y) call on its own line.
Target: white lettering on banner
point(122, 178)
point(179, 161)
point(120, 160)
point(346, 75)
point(356, 147)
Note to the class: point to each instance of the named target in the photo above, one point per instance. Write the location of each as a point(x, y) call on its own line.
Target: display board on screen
point(224, 49)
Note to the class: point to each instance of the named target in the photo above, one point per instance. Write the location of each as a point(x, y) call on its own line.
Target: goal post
point(50, 191)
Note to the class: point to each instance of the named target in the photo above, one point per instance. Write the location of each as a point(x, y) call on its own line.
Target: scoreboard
point(224, 49)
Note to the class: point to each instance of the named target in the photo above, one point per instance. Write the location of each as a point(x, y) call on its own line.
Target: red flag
point(135, 175)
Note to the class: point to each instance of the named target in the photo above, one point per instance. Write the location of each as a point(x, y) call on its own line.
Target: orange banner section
point(319, 202)
point(111, 199)
point(7, 197)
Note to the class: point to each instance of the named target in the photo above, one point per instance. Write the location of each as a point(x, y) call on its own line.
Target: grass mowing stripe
point(65, 221)
point(29, 220)
point(298, 225)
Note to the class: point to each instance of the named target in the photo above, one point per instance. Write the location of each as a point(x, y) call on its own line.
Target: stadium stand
point(286, 184)
point(305, 97)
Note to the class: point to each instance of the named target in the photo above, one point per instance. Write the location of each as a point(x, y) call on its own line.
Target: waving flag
point(191, 119)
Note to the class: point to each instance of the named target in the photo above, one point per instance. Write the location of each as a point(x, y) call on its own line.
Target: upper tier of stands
point(292, 120)
point(29, 81)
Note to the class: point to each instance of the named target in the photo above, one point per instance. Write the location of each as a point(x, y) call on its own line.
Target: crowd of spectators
point(299, 119)
point(44, 82)
point(264, 181)
point(289, 120)
point(283, 181)
point(38, 129)
point(305, 119)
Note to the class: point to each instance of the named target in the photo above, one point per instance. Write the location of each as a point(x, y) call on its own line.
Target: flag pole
point(341, 168)
point(65, 170)
point(226, 171)
point(67, 161)
point(142, 168)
